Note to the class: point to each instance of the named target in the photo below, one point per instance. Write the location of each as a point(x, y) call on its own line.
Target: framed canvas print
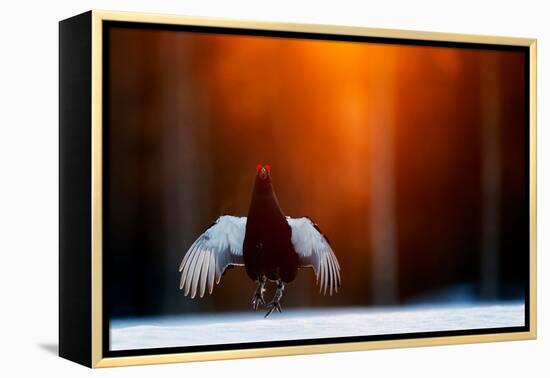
point(237, 189)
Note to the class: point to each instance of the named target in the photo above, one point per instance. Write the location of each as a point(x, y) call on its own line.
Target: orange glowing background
point(412, 159)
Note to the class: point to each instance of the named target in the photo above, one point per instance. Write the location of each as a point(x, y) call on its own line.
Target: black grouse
point(270, 245)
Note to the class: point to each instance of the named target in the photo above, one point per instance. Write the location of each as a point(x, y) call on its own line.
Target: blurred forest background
point(412, 160)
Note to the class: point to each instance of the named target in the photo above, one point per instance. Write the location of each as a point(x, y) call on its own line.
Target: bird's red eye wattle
point(258, 167)
point(268, 168)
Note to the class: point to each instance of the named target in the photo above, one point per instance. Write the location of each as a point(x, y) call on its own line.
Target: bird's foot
point(258, 298)
point(272, 306)
point(275, 303)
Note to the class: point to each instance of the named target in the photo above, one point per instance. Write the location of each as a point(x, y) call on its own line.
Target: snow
point(227, 328)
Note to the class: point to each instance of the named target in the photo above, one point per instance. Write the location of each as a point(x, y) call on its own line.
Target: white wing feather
point(218, 247)
point(315, 251)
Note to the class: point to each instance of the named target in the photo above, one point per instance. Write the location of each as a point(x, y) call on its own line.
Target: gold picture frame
point(94, 334)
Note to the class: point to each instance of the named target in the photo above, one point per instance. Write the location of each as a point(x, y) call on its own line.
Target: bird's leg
point(275, 302)
point(258, 298)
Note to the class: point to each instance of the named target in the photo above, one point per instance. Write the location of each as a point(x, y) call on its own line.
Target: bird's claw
point(257, 301)
point(272, 306)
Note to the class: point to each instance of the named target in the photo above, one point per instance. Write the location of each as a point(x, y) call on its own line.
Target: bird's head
point(263, 173)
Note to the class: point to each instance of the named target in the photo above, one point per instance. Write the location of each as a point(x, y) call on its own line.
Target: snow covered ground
point(187, 330)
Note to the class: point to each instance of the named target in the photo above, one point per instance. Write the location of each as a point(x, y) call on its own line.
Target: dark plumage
point(268, 249)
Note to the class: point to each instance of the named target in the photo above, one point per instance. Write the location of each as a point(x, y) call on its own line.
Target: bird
point(269, 244)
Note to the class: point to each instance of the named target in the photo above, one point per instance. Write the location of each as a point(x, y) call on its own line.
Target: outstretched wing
point(218, 247)
point(315, 251)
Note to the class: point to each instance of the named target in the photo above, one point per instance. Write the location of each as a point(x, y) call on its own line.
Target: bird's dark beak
point(263, 173)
